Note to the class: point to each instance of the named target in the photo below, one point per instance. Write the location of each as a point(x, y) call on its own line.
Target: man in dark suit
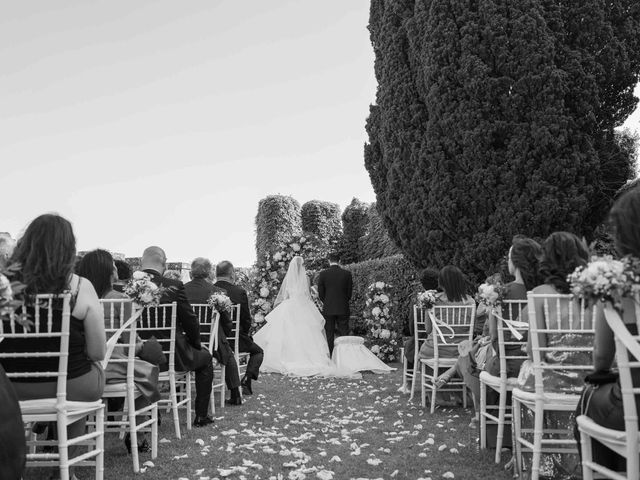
point(189, 354)
point(198, 290)
point(335, 286)
point(225, 274)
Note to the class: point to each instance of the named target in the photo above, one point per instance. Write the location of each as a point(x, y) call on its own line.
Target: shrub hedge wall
point(278, 220)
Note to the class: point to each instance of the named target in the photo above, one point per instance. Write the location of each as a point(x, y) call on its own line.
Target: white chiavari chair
point(160, 321)
point(209, 320)
point(625, 443)
point(420, 334)
point(58, 409)
point(121, 318)
point(577, 322)
point(511, 342)
point(450, 324)
point(241, 357)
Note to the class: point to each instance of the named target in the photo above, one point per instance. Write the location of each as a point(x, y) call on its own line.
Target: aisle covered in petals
point(294, 428)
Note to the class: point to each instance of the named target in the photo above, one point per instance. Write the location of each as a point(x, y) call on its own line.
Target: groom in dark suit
point(335, 286)
point(226, 276)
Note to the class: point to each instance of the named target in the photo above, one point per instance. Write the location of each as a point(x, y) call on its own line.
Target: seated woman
point(429, 281)
point(454, 287)
point(99, 268)
point(46, 253)
point(603, 403)
point(563, 252)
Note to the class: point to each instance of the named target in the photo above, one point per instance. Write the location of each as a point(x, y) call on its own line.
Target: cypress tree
point(355, 224)
point(488, 123)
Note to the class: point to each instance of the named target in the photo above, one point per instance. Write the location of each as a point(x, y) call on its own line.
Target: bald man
point(189, 352)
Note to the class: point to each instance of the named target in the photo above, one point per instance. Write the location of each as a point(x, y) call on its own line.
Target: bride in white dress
point(293, 338)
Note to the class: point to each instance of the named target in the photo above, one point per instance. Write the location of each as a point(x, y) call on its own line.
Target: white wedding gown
point(293, 338)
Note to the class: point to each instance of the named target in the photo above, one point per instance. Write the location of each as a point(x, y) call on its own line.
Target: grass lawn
point(294, 428)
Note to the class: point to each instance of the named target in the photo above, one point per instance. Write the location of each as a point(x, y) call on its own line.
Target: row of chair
point(124, 322)
point(450, 324)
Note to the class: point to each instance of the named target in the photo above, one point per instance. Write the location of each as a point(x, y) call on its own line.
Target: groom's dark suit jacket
point(335, 286)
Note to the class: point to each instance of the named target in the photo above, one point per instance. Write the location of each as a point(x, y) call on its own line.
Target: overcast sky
point(165, 122)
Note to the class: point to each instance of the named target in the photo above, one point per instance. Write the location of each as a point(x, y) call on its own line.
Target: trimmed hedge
point(354, 225)
point(278, 220)
point(395, 270)
point(322, 219)
point(376, 243)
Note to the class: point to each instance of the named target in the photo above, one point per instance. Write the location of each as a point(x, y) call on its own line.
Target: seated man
point(198, 290)
point(189, 354)
point(226, 280)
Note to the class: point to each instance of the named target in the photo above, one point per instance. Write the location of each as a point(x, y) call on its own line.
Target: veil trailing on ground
point(295, 282)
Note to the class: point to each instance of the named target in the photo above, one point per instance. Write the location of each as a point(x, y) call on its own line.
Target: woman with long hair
point(45, 255)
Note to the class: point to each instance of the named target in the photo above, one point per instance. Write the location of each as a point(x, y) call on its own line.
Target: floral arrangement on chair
point(12, 297)
point(382, 329)
point(220, 301)
point(606, 279)
point(142, 290)
point(491, 294)
point(427, 299)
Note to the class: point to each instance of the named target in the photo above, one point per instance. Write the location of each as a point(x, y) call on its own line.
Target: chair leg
point(223, 389)
point(187, 386)
point(154, 431)
point(413, 382)
point(537, 443)
point(434, 390)
point(587, 456)
point(133, 435)
point(517, 428)
point(174, 405)
point(63, 449)
point(422, 386)
point(100, 444)
point(464, 396)
point(483, 419)
point(502, 407)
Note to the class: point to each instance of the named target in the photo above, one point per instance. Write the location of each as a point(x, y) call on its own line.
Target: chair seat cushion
point(552, 401)
point(495, 382)
point(48, 405)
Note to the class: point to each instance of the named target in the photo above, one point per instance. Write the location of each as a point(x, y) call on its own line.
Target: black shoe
point(246, 386)
point(202, 421)
point(142, 448)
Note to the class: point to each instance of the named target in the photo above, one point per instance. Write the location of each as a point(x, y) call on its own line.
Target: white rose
point(268, 265)
point(384, 333)
point(295, 247)
point(152, 286)
point(376, 311)
point(258, 317)
point(264, 292)
point(384, 298)
point(277, 256)
point(273, 275)
point(139, 275)
point(146, 297)
point(302, 239)
point(375, 349)
point(380, 285)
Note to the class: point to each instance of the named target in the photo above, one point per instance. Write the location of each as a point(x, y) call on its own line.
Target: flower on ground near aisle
point(427, 299)
point(606, 279)
point(264, 292)
point(220, 301)
point(142, 290)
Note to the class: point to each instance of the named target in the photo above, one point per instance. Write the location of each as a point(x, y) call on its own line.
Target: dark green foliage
point(495, 118)
point(355, 223)
point(278, 220)
point(394, 270)
point(322, 219)
point(376, 242)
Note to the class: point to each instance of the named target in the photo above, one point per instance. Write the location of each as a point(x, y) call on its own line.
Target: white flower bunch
point(142, 290)
point(491, 294)
point(427, 299)
point(220, 301)
point(606, 279)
